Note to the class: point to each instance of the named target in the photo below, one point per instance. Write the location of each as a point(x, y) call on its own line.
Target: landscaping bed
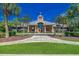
point(76, 39)
point(14, 38)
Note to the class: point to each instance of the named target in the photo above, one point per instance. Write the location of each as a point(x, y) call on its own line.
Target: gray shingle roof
point(32, 23)
point(46, 22)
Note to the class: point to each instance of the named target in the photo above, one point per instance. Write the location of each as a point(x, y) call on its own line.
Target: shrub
point(2, 34)
point(76, 34)
point(67, 33)
point(12, 33)
point(2, 29)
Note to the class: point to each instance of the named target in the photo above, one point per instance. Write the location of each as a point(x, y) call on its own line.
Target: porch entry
point(40, 27)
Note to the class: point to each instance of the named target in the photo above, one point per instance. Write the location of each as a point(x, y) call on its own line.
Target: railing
point(39, 33)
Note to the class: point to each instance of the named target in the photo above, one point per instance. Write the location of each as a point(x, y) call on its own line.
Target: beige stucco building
point(41, 26)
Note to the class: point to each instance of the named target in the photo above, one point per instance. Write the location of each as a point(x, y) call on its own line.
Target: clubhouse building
point(40, 26)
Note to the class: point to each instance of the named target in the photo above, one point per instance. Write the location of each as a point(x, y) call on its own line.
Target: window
point(40, 25)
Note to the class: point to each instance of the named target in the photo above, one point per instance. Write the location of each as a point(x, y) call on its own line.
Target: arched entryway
point(40, 27)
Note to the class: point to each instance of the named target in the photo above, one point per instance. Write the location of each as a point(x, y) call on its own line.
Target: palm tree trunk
point(16, 28)
point(6, 26)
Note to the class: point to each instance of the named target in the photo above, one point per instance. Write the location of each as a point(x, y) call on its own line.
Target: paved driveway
point(40, 38)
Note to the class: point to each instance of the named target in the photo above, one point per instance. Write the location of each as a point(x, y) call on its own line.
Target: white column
point(35, 28)
point(28, 28)
point(45, 29)
point(52, 29)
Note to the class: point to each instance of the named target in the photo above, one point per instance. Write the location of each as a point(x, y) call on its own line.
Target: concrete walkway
point(39, 38)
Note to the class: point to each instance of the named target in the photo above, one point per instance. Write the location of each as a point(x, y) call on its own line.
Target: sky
point(48, 10)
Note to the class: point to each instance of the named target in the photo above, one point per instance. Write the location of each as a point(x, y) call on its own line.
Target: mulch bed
point(66, 38)
point(14, 38)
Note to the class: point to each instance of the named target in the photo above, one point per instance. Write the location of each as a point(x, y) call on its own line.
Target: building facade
point(41, 26)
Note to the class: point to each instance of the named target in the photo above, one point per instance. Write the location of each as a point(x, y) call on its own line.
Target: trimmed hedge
point(76, 34)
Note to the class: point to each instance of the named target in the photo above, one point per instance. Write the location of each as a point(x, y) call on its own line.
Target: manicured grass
point(40, 48)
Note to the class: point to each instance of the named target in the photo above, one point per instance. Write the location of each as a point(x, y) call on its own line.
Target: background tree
point(16, 22)
point(73, 16)
point(62, 20)
point(25, 20)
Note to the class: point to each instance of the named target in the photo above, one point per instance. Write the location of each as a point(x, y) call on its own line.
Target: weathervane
point(40, 13)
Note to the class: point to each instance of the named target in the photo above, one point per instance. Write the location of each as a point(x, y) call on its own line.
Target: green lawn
point(40, 48)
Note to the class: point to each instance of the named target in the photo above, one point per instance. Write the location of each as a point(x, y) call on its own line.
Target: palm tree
point(2, 27)
point(8, 9)
point(25, 20)
point(10, 24)
point(16, 21)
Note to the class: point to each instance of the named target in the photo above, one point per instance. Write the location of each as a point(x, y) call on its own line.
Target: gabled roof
point(49, 23)
point(46, 22)
point(40, 20)
point(32, 23)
